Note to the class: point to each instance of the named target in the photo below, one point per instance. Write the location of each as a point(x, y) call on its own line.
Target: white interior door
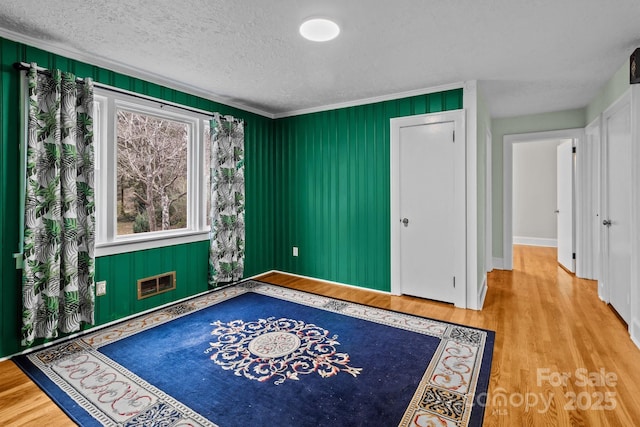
point(428, 207)
point(617, 218)
point(564, 205)
point(427, 195)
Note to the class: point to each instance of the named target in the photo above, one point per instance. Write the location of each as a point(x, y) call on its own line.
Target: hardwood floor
point(548, 323)
point(22, 403)
point(562, 357)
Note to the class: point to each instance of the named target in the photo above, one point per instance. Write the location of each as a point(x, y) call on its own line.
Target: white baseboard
point(362, 288)
point(601, 292)
point(535, 241)
point(498, 263)
point(483, 293)
point(261, 274)
point(634, 332)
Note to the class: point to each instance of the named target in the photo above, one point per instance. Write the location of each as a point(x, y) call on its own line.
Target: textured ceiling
point(528, 56)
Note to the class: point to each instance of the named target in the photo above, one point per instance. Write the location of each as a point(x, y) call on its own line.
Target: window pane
point(152, 173)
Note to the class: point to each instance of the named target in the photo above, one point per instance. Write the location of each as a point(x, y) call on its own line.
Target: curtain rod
point(27, 66)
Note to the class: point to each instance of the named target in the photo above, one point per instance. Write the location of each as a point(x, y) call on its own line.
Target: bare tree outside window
point(151, 173)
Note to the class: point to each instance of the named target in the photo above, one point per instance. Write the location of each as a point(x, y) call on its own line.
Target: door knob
point(405, 221)
point(606, 222)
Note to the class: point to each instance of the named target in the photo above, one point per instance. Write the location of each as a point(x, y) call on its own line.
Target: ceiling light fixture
point(319, 30)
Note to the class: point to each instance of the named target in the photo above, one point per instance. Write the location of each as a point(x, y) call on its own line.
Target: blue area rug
point(262, 355)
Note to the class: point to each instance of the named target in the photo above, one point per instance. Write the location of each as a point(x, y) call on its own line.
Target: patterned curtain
point(58, 272)
point(226, 247)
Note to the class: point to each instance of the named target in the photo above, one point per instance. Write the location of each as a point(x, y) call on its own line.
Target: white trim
point(108, 242)
point(634, 332)
point(588, 265)
point(126, 246)
point(155, 102)
point(586, 185)
point(498, 263)
point(151, 77)
point(601, 295)
point(488, 226)
point(598, 236)
point(507, 191)
point(535, 241)
point(634, 324)
point(582, 196)
point(470, 103)
point(255, 277)
point(507, 204)
point(483, 292)
point(128, 70)
point(460, 234)
point(371, 100)
point(330, 282)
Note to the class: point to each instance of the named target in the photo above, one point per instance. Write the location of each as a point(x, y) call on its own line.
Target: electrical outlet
point(101, 288)
point(295, 251)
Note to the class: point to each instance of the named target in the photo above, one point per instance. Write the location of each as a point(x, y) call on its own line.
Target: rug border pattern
point(192, 417)
point(465, 346)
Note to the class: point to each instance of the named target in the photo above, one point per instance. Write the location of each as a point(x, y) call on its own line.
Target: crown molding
point(128, 70)
point(119, 67)
point(372, 100)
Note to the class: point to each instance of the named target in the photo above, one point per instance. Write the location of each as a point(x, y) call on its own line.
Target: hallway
point(564, 343)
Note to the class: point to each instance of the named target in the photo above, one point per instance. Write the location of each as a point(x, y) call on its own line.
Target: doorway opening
point(543, 197)
point(547, 205)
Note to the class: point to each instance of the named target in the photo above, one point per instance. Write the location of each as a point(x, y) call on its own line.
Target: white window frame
point(106, 104)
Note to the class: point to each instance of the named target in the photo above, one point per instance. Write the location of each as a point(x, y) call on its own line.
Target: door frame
point(577, 134)
point(460, 235)
point(589, 238)
point(634, 325)
point(488, 215)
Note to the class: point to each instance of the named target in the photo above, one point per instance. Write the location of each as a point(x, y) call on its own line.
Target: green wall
point(333, 198)
point(318, 181)
point(609, 93)
point(122, 271)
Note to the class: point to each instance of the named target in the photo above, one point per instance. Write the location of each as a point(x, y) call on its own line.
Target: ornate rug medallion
point(280, 349)
point(274, 344)
point(97, 382)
